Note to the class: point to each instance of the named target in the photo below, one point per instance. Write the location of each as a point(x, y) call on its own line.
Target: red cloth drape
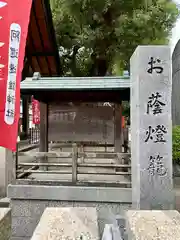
point(35, 111)
point(14, 20)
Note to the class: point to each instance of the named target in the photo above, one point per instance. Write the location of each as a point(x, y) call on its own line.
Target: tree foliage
point(97, 37)
point(176, 144)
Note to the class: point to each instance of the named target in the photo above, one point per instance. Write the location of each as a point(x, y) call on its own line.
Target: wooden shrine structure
point(81, 100)
point(71, 109)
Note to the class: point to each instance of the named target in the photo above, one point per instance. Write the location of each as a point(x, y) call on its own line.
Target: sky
point(176, 30)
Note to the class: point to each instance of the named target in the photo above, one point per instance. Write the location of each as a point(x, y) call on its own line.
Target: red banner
point(123, 122)
point(14, 19)
point(35, 111)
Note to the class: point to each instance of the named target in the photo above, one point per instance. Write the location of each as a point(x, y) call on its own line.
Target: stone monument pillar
point(7, 170)
point(151, 128)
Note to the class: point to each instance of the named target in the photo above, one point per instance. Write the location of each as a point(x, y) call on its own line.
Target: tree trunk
point(99, 66)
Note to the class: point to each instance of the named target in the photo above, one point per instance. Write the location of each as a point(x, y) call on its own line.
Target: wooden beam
point(117, 128)
point(43, 129)
point(46, 154)
point(85, 165)
point(25, 117)
point(39, 54)
point(97, 155)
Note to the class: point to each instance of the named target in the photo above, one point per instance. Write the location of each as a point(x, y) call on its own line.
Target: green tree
point(176, 144)
point(98, 37)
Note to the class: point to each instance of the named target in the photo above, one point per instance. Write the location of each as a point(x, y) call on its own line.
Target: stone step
point(4, 202)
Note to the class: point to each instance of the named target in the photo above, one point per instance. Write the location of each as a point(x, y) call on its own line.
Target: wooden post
point(125, 139)
point(16, 159)
point(82, 151)
point(74, 162)
point(25, 117)
point(117, 127)
point(43, 131)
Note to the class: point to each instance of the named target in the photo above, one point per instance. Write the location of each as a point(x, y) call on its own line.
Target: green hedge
point(176, 144)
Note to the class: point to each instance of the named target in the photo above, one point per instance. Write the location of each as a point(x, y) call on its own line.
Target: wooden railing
point(79, 166)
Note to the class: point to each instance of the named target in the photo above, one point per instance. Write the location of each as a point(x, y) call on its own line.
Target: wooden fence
point(80, 166)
